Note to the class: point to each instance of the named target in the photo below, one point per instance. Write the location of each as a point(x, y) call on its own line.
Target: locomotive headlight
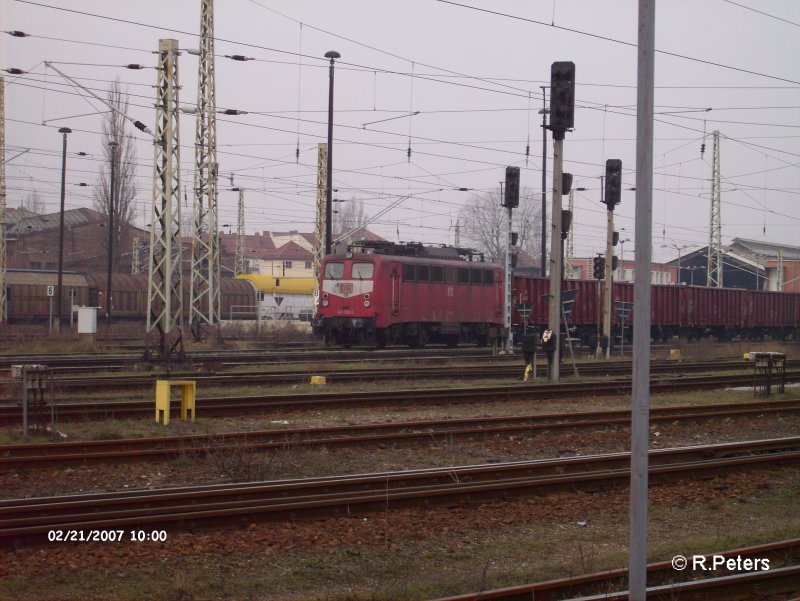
point(324, 303)
point(324, 295)
point(366, 297)
point(366, 303)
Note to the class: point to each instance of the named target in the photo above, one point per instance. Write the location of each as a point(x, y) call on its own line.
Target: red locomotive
point(381, 292)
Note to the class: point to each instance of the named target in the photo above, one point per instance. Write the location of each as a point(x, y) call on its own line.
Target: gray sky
point(475, 79)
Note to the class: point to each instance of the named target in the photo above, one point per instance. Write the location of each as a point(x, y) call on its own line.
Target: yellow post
point(162, 400)
point(188, 398)
point(527, 374)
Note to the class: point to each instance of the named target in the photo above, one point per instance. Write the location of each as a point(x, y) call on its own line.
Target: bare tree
point(349, 215)
point(483, 224)
point(33, 202)
point(115, 129)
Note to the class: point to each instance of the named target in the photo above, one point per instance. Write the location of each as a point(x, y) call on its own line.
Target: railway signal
point(511, 196)
point(510, 200)
point(562, 96)
point(599, 268)
point(612, 196)
point(613, 183)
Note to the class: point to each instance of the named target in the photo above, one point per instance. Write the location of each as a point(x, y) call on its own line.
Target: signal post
point(510, 200)
point(613, 187)
point(562, 118)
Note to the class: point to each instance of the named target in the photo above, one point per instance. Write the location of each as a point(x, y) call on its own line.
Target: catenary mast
point(714, 266)
point(164, 285)
point(319, 237)
point(3, 315)
point(204, 312)
point(241, 265)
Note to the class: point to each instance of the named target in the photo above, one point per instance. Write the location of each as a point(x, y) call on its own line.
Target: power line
point(621, 42)
point(762, 13)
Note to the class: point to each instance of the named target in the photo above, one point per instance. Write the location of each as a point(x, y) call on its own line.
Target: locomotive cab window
point(450, 275)
point(363, 271)
point(334, 271)
point(437, 274)
point(488, 276)
point(463, 275)
point(409, 273)
point(423, 273)
point(476, 276)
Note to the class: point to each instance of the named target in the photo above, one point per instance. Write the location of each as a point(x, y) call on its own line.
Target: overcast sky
point(474, 76)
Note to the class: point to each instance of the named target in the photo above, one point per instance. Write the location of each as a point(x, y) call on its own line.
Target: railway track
point(275, 355)
point(664, 583)
point(259, 377)
point(31, 519)
point(316, 401)
point(33, 456)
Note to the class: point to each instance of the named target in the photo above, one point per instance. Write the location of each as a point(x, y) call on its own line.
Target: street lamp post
point(331, 54)
point(113, 147)
point(63, 131)
point(621, 276)
point(679, 248)
point(692, 269)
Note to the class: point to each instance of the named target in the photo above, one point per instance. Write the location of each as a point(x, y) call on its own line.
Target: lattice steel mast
point(204, 310)
point(164, 287)
point(714, 266)
point(241, 266)
point(319, 238)
point(3, 314)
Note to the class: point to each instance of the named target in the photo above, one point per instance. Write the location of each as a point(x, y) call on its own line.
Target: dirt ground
point(410, 553)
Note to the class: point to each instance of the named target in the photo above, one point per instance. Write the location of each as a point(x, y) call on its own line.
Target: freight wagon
point(28, 301)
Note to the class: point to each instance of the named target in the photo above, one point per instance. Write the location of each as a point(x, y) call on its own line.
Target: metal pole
point(544, 183)
point(332, 54)
point(640, 405)
point(64, 131)
point(554, 314)
point(113, 147)
point(608, 284)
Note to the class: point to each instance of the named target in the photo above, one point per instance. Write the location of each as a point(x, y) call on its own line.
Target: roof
point(292, 250)
point(23, 221)
point(767, 249)
point(256, 246)
point(702, 252)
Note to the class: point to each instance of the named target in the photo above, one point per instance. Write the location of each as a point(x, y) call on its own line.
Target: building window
point(308, 264)
point(287, 264)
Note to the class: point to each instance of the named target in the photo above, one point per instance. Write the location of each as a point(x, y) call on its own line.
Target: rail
point(31, 518)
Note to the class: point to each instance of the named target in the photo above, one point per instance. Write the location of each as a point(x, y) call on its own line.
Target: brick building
point(32, 241)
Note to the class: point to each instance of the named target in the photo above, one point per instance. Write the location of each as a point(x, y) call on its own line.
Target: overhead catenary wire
point(414, 139)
